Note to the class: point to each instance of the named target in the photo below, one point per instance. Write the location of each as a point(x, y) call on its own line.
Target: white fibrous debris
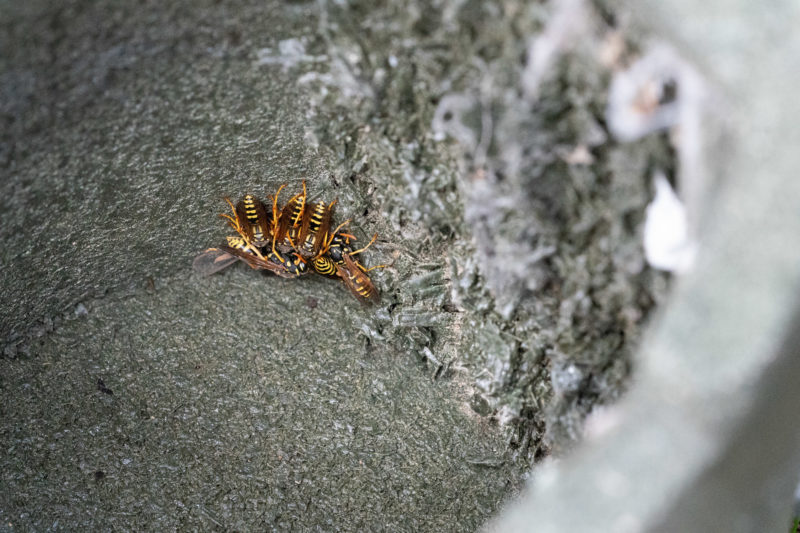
point(448, 120)
point(655, 93)
point(567, 25)
point(290, 53)
point(667, 245)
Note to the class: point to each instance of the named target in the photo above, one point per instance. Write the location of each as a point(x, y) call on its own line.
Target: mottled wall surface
point(135, 393)
point(126, 126)
point(706, 439)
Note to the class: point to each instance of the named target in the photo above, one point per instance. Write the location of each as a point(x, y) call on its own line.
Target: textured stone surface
point(511, 221)
point(706, 439)
point(188, 406)
point(136, 395)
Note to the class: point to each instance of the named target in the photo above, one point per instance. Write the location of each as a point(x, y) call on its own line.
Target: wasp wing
point(256, 262)
point(244, 223)
point(212, 260)
point(357, 281)
point(324, 228)
point(305, 225)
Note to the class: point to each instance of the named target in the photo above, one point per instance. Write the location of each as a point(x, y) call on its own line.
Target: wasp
point(292, 263)
point(212, 260)
point(290, 221)
point(254, 221)
point(351, 273)
point(290, 241)
point(324, 266)
point(328, 257)
point(355, 278)
point(288, 266)
point(314, 228)
point(336, 259)
point(238, 219)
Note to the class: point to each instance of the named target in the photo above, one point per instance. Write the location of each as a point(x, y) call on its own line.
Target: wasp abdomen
point(257, 223)
point(325, 266)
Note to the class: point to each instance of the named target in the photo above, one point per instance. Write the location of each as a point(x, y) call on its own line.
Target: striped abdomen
point(290, 221)
point(256, 226)
point(239, 243)
point(325, 266)
point(311, 233)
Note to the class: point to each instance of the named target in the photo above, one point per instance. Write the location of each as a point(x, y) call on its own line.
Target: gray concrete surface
point(238, 402)
point(516, 293)
point(125, 128)
point(217, 414)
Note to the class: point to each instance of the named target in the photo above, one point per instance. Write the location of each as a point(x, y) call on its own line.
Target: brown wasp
point(255, 227)
point(287, 240)
point(355, 278)
point(314, 228)
point(212, 260)
point(290, 221)
point(253, 220)
point(336, 259)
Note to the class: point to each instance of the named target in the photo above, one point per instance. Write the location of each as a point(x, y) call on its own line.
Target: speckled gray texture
point(126, 125)
point(136, 395)
point(706, 439)
point(215, 412)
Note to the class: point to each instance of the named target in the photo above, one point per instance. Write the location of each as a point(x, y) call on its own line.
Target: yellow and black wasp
point(290, 222)
point(290, 241)
point(212, 260)
point(314, 228)
point(255, 228)
point(256, 224)
point(336, 259)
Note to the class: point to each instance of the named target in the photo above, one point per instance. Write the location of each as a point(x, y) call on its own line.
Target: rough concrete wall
point(137, 395)
point(511, 219)
point(706, 440)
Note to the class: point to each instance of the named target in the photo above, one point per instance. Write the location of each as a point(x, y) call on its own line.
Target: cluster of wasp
point(290, 241)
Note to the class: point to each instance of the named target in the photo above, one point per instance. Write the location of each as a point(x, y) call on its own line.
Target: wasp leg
point(232, 220)
point(327, 245)
point(275, 213)
point(275, 217)
point(291, 241)
point(365, 270)
point(374, 238)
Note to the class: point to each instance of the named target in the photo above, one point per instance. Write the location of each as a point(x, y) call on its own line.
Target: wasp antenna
point(334, 232)
point(227, 199)
point(275, 202)
point(371, 268)
point(374, 238)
